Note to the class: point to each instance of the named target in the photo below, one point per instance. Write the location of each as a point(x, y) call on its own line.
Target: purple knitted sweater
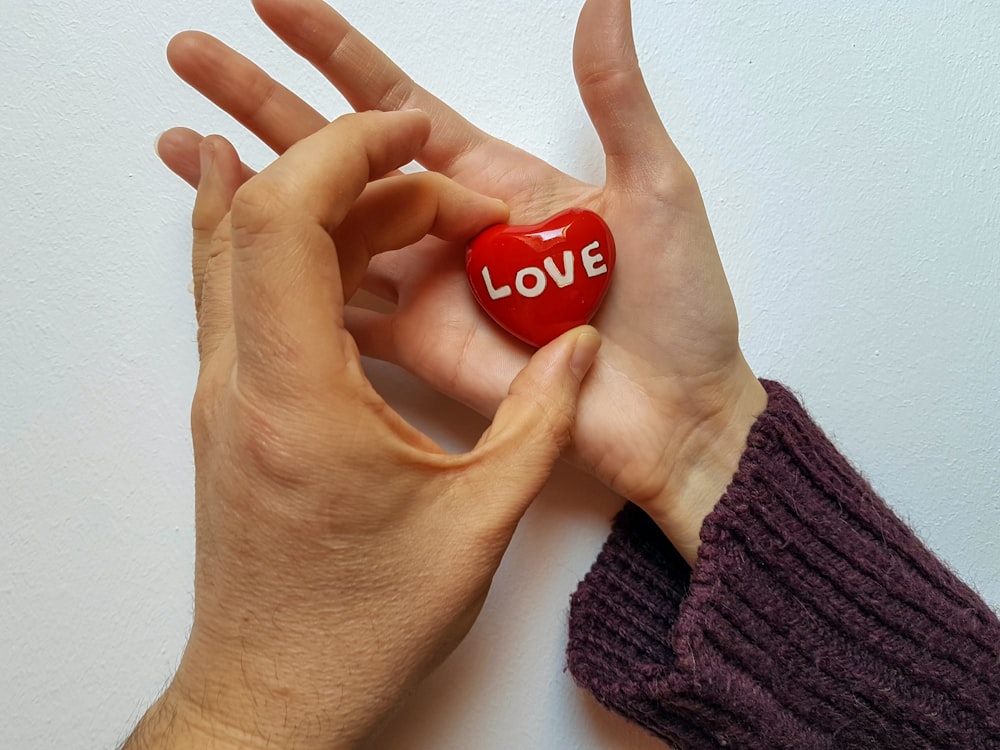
point(814, 617)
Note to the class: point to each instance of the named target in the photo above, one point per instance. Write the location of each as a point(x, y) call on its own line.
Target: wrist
point(221, 700)
point(706, 464)
point(172, 723)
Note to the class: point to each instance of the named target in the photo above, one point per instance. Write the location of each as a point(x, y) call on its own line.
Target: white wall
point(850, 159)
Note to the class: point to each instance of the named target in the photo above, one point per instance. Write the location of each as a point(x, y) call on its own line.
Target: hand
point(340, 553)
point(665, 413)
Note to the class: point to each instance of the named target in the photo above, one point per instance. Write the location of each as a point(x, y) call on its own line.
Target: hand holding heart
point(340, 553)
point(665, 413)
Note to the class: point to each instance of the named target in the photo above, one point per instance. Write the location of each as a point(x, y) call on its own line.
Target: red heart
point(541, 280)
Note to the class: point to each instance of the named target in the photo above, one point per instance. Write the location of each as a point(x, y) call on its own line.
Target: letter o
point(535, 289)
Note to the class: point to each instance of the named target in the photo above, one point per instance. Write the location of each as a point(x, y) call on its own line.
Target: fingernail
point(584, 352)
point(156, 143)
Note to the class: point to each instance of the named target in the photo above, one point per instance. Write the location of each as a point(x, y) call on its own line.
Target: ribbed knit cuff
point(814, 618)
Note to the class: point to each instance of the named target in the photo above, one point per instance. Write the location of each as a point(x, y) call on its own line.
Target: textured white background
point(849, 157)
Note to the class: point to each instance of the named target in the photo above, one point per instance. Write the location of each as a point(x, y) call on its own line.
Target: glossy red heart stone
point(541, 280)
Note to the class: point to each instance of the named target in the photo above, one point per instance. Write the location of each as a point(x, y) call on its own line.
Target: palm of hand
point(638, 401)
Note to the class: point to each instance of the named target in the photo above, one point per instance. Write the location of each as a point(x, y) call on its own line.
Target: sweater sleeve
point(814, 618)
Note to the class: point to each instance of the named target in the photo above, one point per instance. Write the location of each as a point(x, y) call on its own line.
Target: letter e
point(593, 262)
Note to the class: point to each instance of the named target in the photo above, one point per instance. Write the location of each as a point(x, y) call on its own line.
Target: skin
point(340, 552)
point(664, 415)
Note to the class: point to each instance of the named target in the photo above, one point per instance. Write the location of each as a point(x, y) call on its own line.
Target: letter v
point(565, 278)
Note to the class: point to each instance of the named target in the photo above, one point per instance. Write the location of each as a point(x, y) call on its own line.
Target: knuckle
point(608, 77)
point(550, 415)
point(203, 221)
point(263, 441)
point(559, 421)
point(259, 206)
point(218, 247)
point(676, 184)
point(259, 91)
point(352, 128)
point(396, 95)
point(426, 187)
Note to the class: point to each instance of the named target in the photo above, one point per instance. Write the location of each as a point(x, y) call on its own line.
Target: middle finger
point(368, 78)
point(238, 86)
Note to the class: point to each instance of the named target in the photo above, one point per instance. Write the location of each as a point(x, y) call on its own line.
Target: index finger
point(287, 293)
point(366, 76)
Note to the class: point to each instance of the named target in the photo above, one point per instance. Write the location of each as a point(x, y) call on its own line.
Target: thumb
point(533, 424)
point(639, 152)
